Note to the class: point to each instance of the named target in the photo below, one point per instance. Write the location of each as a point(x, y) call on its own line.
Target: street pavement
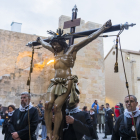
point(100, 135)
point(1, 136)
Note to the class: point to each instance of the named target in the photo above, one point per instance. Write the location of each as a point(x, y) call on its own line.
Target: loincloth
point(59, 86)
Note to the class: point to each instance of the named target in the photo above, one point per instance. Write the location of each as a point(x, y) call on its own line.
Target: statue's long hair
point(62, 43)
point(60, 38)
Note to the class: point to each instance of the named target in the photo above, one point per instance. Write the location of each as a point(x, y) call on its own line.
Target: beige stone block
point(89, 96)
point(82, 99)
point(82, 95)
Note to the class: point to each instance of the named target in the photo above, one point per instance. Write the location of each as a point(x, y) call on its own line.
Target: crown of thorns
point(57, 36)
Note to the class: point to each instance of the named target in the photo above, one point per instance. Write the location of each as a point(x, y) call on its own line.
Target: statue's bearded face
point(57, 47)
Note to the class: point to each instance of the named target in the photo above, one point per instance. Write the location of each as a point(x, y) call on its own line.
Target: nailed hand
point(38, 39)
point(107, 25)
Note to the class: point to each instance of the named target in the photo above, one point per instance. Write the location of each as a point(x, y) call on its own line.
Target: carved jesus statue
point(64, 83)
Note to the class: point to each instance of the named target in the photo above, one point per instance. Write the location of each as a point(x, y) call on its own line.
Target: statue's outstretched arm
point(45, 44)
point(91, 37)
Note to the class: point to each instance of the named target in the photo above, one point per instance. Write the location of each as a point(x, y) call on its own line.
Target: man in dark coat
point(124, 126)
point(44, 130)
point(93, 118)
point(121, 108)
point(18, 125)
point(40, 105)
point(108, 121)
point(79, 124)
point(8, 115)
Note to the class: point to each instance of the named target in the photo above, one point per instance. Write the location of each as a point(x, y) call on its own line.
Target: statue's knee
point(48, 106)
point(56, 109)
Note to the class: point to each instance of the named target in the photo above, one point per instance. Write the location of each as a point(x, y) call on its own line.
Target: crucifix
point(76, 22)
point(63, 87)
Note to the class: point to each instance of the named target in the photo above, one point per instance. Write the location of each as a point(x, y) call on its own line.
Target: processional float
point(73, 35)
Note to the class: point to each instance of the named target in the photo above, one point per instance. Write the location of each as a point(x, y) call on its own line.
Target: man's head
point(42, 108)
point(95, 101)
point(101, 107)
point(25, 99)
point(11, 108)
point(107, 105)
point(91, 110)
point(85, 108)
point(120, 104)
point(95, 106)
point(132, 104)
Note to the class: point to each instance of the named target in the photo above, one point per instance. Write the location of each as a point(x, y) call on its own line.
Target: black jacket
point(43, 119)
point(19, 123)
point(93, 118)
point(82, 126)
point(121, 110)
point(121, 131)
point(5, 130)
point(108, 122)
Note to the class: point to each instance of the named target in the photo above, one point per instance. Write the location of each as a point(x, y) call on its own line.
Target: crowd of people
point(81, 124)
point(104, 117)
point(15, 121)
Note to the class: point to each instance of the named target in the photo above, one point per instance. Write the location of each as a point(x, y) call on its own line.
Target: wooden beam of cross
point(76, 22)
point(72, 24)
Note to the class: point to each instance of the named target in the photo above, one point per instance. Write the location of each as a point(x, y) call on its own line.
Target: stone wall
point(15, 61)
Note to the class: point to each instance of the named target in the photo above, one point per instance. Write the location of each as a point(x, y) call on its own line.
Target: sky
point(38, 16)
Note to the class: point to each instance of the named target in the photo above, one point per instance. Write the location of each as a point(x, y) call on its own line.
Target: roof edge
point(109, 51)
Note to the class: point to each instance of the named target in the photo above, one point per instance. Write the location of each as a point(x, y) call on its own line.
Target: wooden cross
point(72, 24)
point(76, 22)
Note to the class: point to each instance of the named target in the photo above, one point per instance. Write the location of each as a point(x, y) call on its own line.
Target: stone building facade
point(15, 62)
point(115, 87)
